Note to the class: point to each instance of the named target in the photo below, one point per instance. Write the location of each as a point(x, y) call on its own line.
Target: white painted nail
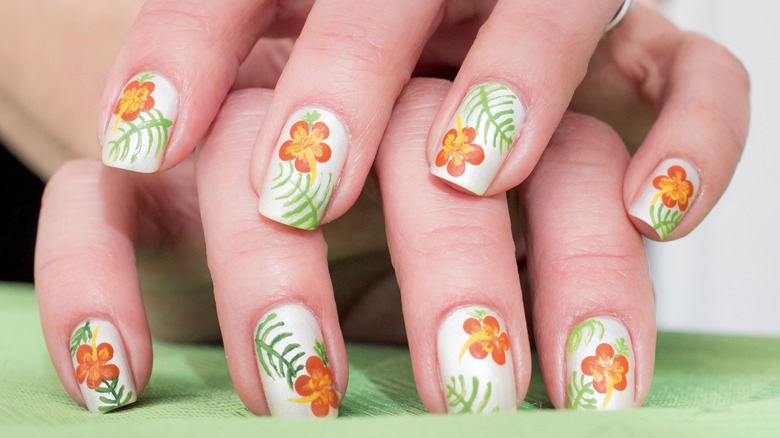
point(304, 168)
point(479, 137)
point(666, 196)
point(600, 366)
point(293, 364)
point(140, 125)
point(475, 362)
point(101, 366)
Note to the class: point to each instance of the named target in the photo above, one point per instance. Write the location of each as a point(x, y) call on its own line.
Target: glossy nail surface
point(475, 362)
point(666, 196)
point(141, 123)
point(304, 168)
point(293, 364)
point(600, 366)
point(101, 366)
point(479, 137)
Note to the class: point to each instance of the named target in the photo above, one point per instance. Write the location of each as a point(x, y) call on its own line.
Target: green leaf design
point(479, 315)
point(311, 117)
point(151, 125)
point(621, 349)
point(145, 77)
point(305, 203)
point(319, 349)
point(117, 399)
point(283, 364)
point(458, 394)
point(491, 109)
point(82, 335)
point(664, 223)
point(580, 393)
point(586, 330)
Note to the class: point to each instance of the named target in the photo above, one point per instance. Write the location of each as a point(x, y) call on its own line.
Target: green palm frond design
point(664, 223)
point(580, 393)
point(585, 330)
point(490, 109)
point(277, 361)
point(305, 203)
point(458, 394)
point(82, 335)
point(620, 347)
point(112, 398)
point(147, 134)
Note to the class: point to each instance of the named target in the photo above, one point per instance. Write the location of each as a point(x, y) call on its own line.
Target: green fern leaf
point(586, 329)
point(82, 335)
point(459, 395)
point(305, 203)
point(319, 349)
point(151, 130)
point(283, 361)
point(490, 109)
point(580, 393)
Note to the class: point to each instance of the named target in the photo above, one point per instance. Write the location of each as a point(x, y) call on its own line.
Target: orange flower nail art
point(459, 149)
point(608, 371)
point(316, 388)
point(485, 338)
point(306, 145)
point(674, 188)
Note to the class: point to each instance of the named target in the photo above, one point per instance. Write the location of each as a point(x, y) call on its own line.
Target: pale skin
point(647, 62)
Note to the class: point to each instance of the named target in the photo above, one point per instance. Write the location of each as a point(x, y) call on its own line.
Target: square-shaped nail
point(475, 362)
point(666, 196)
point(304, 168)
point(600, 366)
point(141, 122)
point(293, 364)
point(101, 366)
point(479, 137)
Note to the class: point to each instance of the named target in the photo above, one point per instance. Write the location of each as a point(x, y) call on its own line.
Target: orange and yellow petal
point(456, 169)
point(299, 130)
point(324, 153)
point(476, 155)
point(302, 386)
point(471, 326)
point(320, 130)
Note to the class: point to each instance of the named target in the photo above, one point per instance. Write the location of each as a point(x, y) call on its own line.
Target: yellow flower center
point(131, 101)
point(455, 145)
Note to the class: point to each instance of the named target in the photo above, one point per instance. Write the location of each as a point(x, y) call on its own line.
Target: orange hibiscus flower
point(137, 97)
point(93, 363)
point(317, 388)
point(486, 338)
point(608, 371)
point(306, 146)
point(459, 149)
point(674, 189)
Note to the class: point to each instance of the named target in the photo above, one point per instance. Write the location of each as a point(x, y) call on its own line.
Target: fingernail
point(101, 366)
point(479, 137)
point(293, 364)
point(666, 196)
point(140, 124)
point(475, 363)
point(304, 168)
point(600, 366)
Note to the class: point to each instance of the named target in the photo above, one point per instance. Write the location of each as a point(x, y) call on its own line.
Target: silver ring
point(627, 4)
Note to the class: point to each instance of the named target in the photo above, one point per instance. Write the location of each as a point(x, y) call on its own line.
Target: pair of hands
point(453, 253)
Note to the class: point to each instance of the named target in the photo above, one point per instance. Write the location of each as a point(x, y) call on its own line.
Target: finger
point(690, 154)
point(332, 104)
point(87, 288)
point(455, 261)
point(177, 64)
point(592, 302)
point(273, 292)
point(512, 90)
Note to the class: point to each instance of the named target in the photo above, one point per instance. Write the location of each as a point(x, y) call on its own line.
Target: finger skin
point(194, 49)
point(512, 90)
point(85, 266)
point(449, 250)
point(347, 68)
point(257, 265)
point(585, 258)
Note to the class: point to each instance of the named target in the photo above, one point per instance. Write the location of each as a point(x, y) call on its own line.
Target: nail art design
point(666, 197)
point(293, 364)
point(304, 169)
point(101, 366)
point(481, 134)
point(140, 126)
point(601, 366)
point(475, 363)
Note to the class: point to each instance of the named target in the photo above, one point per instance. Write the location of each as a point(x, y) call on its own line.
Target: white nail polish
point(666, 196)
point(101, 366)
point(141, 122)
point(304, 168)
point(475, 362)
point(600, 366)
point(293, 364)
point(479, 137)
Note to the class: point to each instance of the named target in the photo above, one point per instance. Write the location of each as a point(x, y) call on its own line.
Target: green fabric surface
point(703, 386)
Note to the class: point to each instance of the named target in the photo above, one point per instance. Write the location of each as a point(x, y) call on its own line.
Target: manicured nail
point(293, 364)
point(140, 125)
point(304, 168)
point(475, 363)
point(101, 366)
point(666, 196)
point(600, 366)
point(479, 137)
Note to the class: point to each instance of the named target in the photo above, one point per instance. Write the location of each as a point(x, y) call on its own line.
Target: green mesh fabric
point(703, 386)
